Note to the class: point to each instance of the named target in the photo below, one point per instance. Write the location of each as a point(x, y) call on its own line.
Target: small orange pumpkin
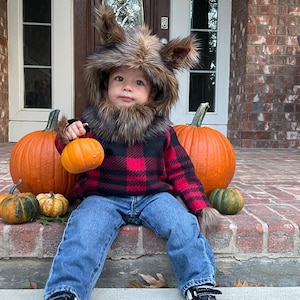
point(36, 161)
point(210, 152)
point(82, 155)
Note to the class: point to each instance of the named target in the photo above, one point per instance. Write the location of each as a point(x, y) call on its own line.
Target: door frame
point(180, 10)
point(24, 120)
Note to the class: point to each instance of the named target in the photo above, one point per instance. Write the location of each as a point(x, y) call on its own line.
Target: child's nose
point(127, 86)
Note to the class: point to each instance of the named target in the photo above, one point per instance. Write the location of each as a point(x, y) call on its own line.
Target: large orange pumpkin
point(210, 151)
point(35, 160)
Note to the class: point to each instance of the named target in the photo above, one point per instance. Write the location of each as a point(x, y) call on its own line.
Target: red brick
point(252, 29)
point(127, 242)
point(278, 193)
point(222, 240)
point(52, 235)
point(250, 233)
point(4, 247)
point(256, 135)
point(263, 20)
point(24, 239)
point(151, 243)
point(263, 2)
point(267, 9)
point(280, 231)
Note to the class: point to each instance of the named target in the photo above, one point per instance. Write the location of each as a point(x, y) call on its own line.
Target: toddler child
point(132, 88)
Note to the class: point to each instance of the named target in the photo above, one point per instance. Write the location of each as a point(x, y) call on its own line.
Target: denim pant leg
point(189, 251)
point(90, 231)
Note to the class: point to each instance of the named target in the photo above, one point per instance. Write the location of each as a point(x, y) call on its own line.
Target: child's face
point(128, 86)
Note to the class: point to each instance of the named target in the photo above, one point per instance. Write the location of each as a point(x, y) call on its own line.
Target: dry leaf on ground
point(150, 280)
point(246, 284)
point(32, 286)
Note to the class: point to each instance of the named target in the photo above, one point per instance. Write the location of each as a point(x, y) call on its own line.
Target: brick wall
point(3, 73)
point(264, 105)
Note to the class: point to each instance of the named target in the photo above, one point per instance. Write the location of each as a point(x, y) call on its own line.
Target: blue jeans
point(94, 225)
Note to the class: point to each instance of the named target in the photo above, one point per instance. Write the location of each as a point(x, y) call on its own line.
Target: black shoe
point(201, 293)
point(62, 296)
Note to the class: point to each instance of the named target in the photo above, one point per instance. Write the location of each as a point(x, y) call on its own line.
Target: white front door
point(218, 33)
point(40, 74)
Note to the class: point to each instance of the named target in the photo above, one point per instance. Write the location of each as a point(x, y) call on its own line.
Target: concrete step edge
point(229, 293)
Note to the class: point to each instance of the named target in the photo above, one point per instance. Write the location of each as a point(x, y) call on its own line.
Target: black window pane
point(37, 11)
point(205, 14)
point(202, 89)
point(37, 88)
point(204, 24)
point(37, 45)
point(208, 50)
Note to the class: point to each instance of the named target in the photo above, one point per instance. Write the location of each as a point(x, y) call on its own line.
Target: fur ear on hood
point(136, 48)
point(109, 31)
point(180, 53)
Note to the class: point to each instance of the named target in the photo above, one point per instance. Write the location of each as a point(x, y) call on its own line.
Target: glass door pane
point(37, 54)
point(128, 12)
point(204, 22)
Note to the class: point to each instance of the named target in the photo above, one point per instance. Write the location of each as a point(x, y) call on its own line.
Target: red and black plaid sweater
point(159, 164)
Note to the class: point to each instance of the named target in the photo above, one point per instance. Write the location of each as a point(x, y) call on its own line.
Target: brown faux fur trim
point(126, 125)
point(209, 219)
point(60, 129)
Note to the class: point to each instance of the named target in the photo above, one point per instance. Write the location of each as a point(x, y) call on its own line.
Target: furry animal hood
point(136, 47)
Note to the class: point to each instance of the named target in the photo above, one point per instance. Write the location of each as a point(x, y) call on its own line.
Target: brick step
point(268, 224)
point(243, 234)
point(28, 250)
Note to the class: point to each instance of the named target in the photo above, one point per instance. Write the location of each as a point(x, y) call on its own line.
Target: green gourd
point(19, 207)
point(227, 201)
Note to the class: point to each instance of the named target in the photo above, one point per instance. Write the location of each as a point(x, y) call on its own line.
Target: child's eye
point(119, 78)
point(140, 82)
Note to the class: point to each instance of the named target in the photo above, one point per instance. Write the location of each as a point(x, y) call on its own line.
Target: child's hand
point(74, 130)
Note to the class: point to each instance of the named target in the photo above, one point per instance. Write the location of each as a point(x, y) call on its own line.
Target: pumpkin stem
point(11, 191)
point(200, 114)
point(52, 120)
